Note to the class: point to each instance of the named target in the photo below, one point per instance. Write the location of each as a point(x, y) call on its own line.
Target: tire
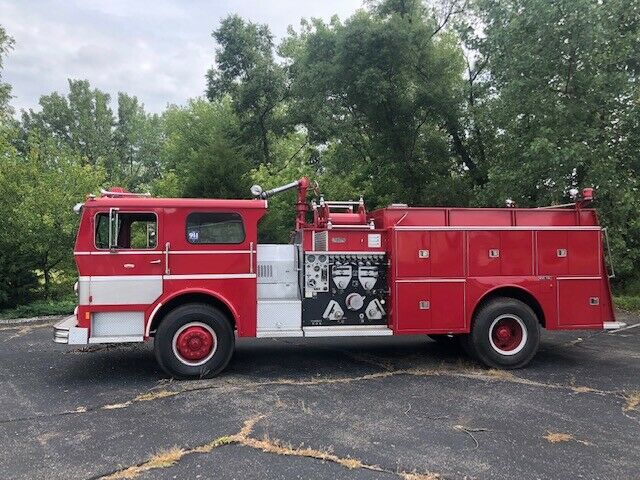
point(505, 334)
point(194, 341)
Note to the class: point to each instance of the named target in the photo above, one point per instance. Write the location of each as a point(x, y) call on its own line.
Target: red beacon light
point(587, 194)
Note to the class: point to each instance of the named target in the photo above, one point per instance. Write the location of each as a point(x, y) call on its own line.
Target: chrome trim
point(167, 271)
point(121, 339)
point(250, 257)
point(613, 325)
point(147, 329)
point(66, 332)
point(348, 331)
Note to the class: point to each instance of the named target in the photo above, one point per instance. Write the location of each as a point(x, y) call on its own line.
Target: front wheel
point(505, 334)
point(194, 341)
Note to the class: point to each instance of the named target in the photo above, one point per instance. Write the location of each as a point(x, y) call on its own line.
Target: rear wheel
point(505, 334)
point(194, 341)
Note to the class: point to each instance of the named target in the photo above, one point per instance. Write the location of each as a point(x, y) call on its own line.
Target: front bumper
point(66, 332)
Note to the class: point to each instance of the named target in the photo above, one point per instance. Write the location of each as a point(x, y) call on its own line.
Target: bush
point(62, 306)
point(627, 302)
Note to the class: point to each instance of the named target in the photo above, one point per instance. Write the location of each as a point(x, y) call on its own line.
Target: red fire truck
point(190, 274)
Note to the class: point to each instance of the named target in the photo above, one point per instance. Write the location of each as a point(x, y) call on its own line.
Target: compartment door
point(412, 307)
point(584, 252)
point(484, 253)
point(553, 252)
point(413, 257)
point(447, 254)
point(447, 307)
point(516, 252)
point(579, 303)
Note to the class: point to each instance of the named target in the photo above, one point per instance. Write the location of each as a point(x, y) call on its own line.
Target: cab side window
point(129, 231)
point(212, 228)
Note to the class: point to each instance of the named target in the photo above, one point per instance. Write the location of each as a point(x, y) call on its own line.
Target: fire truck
point(191, 275)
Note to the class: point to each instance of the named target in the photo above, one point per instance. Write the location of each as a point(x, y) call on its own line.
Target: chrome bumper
point(614, 325)
point(66, 332)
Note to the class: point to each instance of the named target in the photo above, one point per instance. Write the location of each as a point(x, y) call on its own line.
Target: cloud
point(157, 50)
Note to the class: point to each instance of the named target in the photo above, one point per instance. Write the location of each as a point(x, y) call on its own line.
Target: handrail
point(609, 257)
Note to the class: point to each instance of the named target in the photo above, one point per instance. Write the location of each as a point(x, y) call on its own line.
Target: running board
point(348, 331)
point(117, 339)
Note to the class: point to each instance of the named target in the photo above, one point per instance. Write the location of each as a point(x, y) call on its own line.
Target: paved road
point(322, 408)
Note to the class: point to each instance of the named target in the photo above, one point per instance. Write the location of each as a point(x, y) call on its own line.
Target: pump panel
point(342, 288)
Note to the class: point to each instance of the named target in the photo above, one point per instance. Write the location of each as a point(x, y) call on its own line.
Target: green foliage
point(128, 146)
point(201, 148)
point(37, 193)
point(6, 44)
point(630, 303)
point(295, 161)
point(381, 90)
point(38, 308)
point(247, 72)
point(560, 108)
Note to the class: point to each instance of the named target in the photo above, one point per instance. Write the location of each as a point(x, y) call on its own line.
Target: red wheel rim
point(507, 335)
point(194, 343)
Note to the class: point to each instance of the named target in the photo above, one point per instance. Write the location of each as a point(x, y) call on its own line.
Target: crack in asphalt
point(461, 371)
point(169, 458)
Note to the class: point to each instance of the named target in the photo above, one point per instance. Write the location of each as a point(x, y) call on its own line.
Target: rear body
point(348, 272)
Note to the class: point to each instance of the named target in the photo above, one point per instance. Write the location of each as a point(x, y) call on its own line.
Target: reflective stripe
point(212, 276)
point(121, 289)
point(578, 278)
point(157, 252)
point(505, 227)
point(433, 280)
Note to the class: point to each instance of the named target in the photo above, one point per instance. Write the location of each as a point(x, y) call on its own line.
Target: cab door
point(129, 258)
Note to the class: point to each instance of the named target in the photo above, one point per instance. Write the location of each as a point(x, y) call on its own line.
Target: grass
point(37, 308)
point(630, 303)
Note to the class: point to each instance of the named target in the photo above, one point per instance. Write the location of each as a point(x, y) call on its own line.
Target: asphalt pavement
point(368, 408)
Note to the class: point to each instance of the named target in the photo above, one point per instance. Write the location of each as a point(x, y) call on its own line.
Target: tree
point(81, 121)
point(382, 91)
point(6, 44)
point(561, 106)
point(247, 72)
point(200, 147)
point(137, 145)
point(37, 193)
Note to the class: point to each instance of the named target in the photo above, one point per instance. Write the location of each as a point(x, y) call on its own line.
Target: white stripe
point(109, 278)
point(505, 227)
point(121, 252)
point(433, 280)
point(158, 252)
point(135, 278)
point(207, 252)
point(153, 314)
point(346, 252)
point(207, 276)
point(578, 278)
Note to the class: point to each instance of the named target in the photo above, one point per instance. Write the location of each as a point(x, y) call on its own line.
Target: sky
point(156, 50)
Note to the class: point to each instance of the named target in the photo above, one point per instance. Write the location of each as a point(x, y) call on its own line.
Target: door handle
point(155, 262)
point(129, 265)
